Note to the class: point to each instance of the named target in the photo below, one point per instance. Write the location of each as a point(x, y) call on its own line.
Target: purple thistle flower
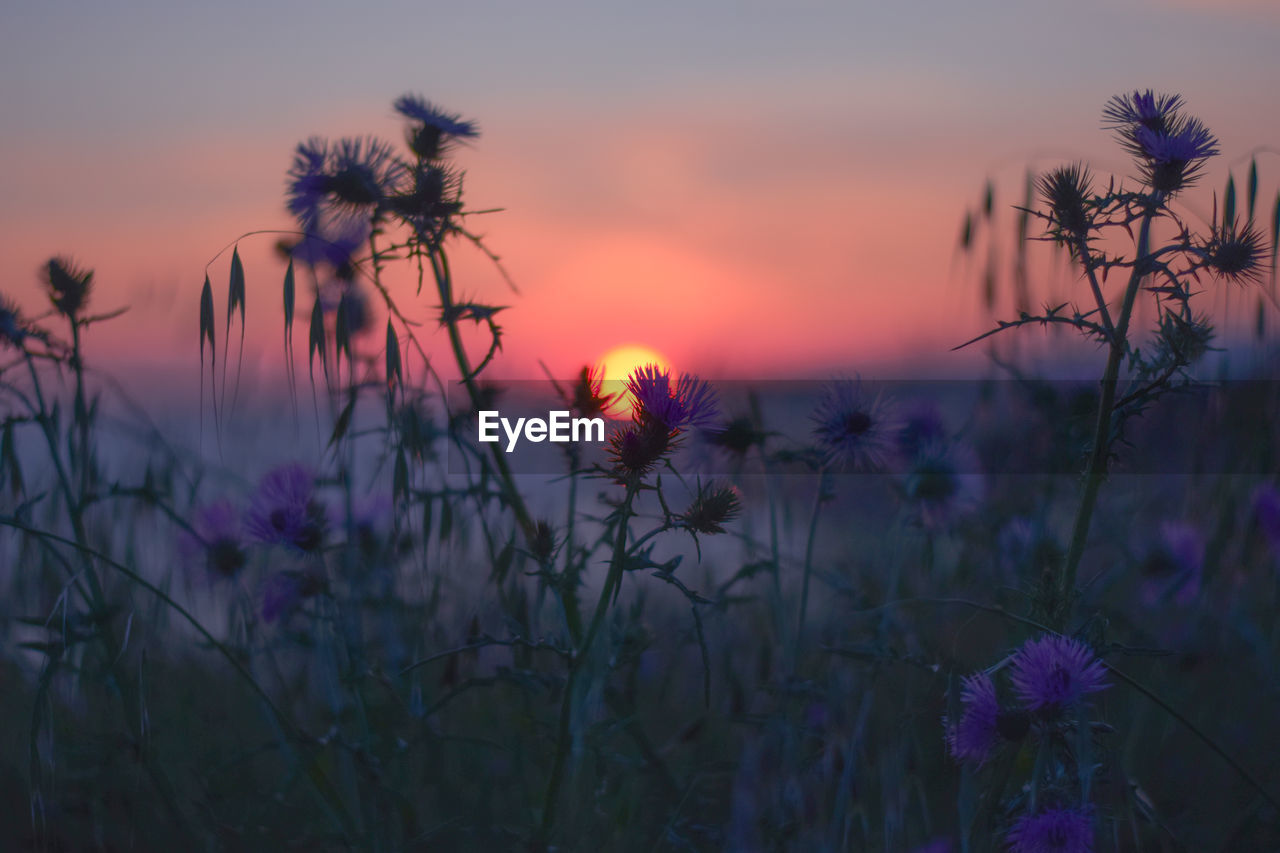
point(1174, 564)
point(977, 734)
point(942, 484)
point(1054, 671)
point(1174, 157)
point(691, 403)
point(854, 431)
point(1056, 830)
point(12, 329)
point(920, 426)
point(1171, 149)
point(334, 243)
point(217, 537)
point(435, 128)
point(1189, 141)
point(1266, 509)
point(351, 179)
point(1144, 109)
point(285, 511)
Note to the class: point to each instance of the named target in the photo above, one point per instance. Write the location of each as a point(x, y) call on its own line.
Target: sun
point(619, 363)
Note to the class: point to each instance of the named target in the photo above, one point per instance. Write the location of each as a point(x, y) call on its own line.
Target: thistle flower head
point(976, 734)
point(217, 537)
point(636, 448)
point(68, 285)
point(418, 433)
point(1171, 149)
point(1236, 253)
point(542, 544)
point(285, 511)
point(1066, 191)
point(1183, 341)
point(350, 179)
point(1054, 830)
point(432, 195)
point(1053, 672)
point(711, 508)
point(736, 436)
point(1146, 109)
point(1174, 158)
point(854, 431)
point(586, 397)
point(1174, 564)
point(688, 402)
point(432, 129)
point(942, 484)
point(920, 426)
point(13, 331)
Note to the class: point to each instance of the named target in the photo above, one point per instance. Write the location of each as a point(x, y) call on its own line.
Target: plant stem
point(1060, 607)
point(612, 581)
point(808, 564)
point(444, 285)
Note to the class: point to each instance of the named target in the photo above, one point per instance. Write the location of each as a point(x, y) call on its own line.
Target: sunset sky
point(749, 188)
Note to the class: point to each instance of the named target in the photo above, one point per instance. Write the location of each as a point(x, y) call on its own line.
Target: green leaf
point(288, 298)
point(1229, 203)
point(317, 342)
point(9, 460)
point(394, 370)
point(400, 480)
point(342, 332)
point(1253, 185)
point(1275, 231)
point(343, 423)
point(446, 518)
point(988, 200)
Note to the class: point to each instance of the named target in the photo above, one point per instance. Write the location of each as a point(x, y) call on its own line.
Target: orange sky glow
point(743, 229)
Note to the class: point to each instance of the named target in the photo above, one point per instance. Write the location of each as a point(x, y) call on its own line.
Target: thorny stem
point(1083, 248)
point(439, 266)
point(1096, 471)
